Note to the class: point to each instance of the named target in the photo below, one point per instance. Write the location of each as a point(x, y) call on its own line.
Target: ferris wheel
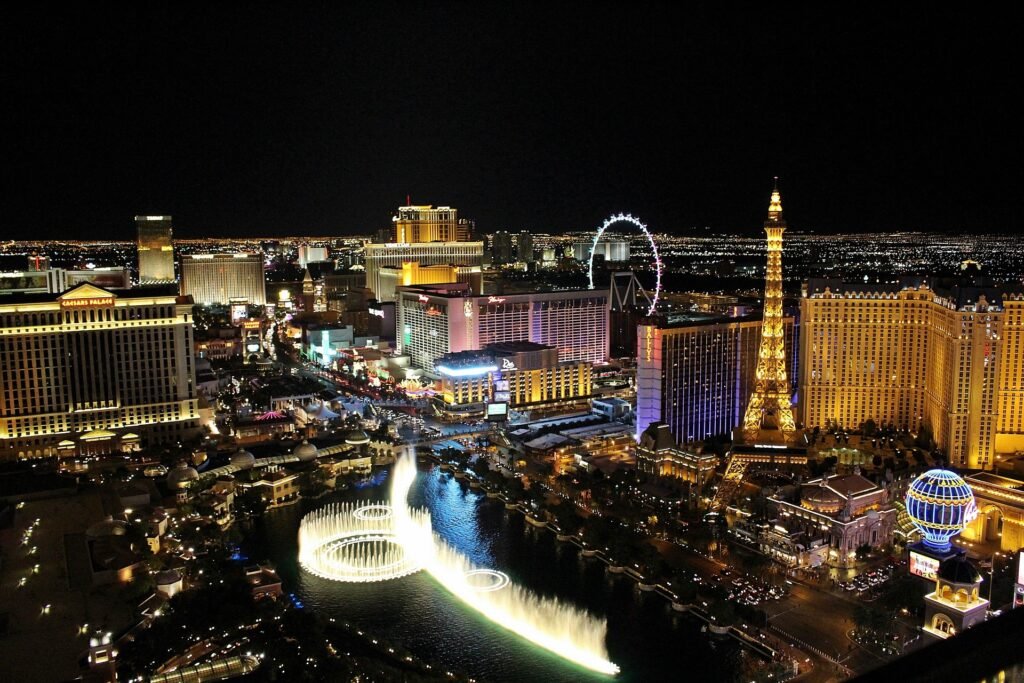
point(627, 218)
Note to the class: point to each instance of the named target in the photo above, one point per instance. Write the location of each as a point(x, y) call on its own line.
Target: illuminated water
point(357, 543)
point(645, 638)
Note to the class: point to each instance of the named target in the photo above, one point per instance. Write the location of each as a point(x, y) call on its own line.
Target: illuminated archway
point(627, 218)
point(991, 523)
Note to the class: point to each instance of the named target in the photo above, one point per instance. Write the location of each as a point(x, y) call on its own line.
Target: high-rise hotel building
point(523, 374)
point(440, 319)
point(696, 374)
point(917, 353)
point(156, 253)
point(411, 273)
point(393, 255)
point(224, 278)
point(93, 370)
point(429, 224)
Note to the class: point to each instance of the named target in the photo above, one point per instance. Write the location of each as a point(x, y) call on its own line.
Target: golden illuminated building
point(523, 374)
point(916, 355)
point(769, 406)
point(836, 515)
point(956, 603)
point(429, 224)
point(379, 258)
point(411, 273)
point(156, 253)
point(224, 278)
point(94, 370)
point(658, 453)
point(1000, 501)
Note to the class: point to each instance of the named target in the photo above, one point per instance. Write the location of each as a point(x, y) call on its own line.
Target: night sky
point(274, 121)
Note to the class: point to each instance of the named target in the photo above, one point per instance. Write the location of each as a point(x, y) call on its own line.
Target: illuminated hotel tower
point(156, 252)
point(416, 224)
point(769, 405)
point(93, 371)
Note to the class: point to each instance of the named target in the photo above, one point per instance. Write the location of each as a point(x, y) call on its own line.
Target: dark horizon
point(265, 121)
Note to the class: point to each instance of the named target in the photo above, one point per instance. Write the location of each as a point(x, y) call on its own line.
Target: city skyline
point(271, 121)
point(465, 342)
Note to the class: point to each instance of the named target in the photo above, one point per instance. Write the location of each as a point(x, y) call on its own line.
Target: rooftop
point(962, 292)
point(142, 292)
point(518, 346)
point(462, 291)
point(674, 321)
point(548, 441)
point(849, 485)
point(996, 480)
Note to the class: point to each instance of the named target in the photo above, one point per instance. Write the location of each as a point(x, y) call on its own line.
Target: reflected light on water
point(378, 542)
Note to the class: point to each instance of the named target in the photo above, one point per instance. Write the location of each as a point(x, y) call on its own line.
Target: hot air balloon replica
point(940, 504)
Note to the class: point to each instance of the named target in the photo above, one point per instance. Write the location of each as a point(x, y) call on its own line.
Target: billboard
point(501, 391)
point(497, 412)
point(923, 566)
point(23, 281)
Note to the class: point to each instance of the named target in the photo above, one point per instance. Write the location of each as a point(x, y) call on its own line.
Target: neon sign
point(472, 371)
point(91, 302)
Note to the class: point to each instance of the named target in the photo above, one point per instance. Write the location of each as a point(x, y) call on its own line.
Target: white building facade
point(435, 321)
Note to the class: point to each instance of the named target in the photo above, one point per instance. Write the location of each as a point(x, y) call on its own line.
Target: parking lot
point(867, 581)
point(748, 590)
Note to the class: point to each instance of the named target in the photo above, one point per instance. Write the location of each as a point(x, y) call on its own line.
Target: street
point(808, 616)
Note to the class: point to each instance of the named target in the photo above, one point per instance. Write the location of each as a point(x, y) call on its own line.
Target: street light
point(992, 577)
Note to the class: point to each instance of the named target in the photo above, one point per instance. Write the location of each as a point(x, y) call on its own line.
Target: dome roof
point(356, 437)
point(821, 499)
point(107, 527)
point(167, 577)
point(243, 459)
point(958, 569)
point(305, 452)
point(181, 475)
point(940, 504)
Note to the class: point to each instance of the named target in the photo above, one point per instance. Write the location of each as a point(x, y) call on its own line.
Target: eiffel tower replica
point(769, 414)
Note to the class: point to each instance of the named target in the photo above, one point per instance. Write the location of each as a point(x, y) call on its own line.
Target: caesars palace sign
point(90, 302)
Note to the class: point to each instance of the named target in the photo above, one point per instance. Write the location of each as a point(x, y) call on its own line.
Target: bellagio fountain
point(380, 542)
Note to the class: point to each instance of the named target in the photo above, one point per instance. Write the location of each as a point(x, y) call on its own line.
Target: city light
point(374, 437)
